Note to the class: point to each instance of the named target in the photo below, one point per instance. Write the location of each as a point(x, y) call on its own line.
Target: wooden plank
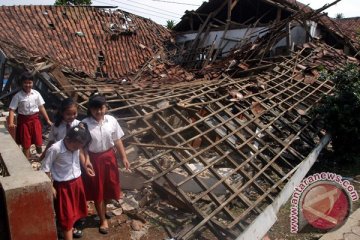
point(63, 82)
point(14, 73)
point(161, 146)
point(200, 182)
point(2, 69)
point(228, 22)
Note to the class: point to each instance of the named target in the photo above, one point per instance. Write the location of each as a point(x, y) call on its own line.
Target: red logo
point(325, 205)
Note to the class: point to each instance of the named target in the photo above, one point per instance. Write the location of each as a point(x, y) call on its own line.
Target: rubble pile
point(161, 71)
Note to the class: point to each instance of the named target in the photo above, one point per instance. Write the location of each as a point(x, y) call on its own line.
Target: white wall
point(298, 36)
point(215, 36)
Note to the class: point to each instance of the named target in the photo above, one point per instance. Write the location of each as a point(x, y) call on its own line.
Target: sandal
point(77, 233)
point(103, 230)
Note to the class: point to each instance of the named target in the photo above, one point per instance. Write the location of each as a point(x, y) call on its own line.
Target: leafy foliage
point(339, 16)
point(170, 24)
point(340, 112)
point(72, 2)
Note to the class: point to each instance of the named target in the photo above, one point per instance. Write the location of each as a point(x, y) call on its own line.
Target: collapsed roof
point(214, 24)
point(243, 13)
point(101, 43)
point(221, 151)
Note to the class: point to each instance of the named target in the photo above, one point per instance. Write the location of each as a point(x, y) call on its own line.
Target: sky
point(162, 10)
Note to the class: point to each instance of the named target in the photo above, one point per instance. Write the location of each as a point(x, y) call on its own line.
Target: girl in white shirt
point(28, 103)
point(62, 164)
point(64, 120)
point(106, 135)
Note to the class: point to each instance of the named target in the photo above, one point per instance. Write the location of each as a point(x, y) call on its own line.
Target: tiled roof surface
point(296, 4)
point(86, 39)
point(350, 27)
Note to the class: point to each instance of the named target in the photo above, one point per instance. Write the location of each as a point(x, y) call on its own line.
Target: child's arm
point(85, 162)
point(46, 166)
point(12, 108)
point(11, 118)
point(44, 113)
point(121, 149)
point(53, 189)
point(47, 147)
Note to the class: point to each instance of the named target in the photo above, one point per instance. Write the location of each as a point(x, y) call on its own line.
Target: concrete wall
point(236, 34)
point(27, 195)
point(298, 36)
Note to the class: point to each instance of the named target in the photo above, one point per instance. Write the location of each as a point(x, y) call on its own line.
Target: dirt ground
point(125, 226)
point(121, 228)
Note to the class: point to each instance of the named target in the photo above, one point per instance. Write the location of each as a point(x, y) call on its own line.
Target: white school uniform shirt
point(27, 104)
point(59, 133)
point(63, 164)
point(103, 134)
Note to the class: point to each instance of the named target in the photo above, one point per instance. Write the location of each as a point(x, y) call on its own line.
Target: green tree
point(339, 16)
point(170, 24)
point(74, 2)
point(340, 112)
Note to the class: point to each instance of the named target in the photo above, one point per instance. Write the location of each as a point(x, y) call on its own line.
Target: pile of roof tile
point(160, 70)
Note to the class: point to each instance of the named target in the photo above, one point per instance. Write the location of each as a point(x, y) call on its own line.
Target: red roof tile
point(350, 27)
point(75, 36)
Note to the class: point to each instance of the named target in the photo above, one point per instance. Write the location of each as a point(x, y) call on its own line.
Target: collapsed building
point(217, 114)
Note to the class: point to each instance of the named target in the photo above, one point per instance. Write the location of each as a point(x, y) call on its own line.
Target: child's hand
point(12, 126)
point(126, 164)
point(49, 122)
point(54, 192)
point(90, 170)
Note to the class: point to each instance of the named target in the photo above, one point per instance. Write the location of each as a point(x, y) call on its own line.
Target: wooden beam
point(288, 37)
point(2, 69)
point(232, 5)
point(161, 146)
point(12, 76)
point(278, 14)
point(219, 49)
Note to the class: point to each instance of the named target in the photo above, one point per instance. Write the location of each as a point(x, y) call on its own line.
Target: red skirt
point(70, 202)
point(105, 185)
point(28, 130)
